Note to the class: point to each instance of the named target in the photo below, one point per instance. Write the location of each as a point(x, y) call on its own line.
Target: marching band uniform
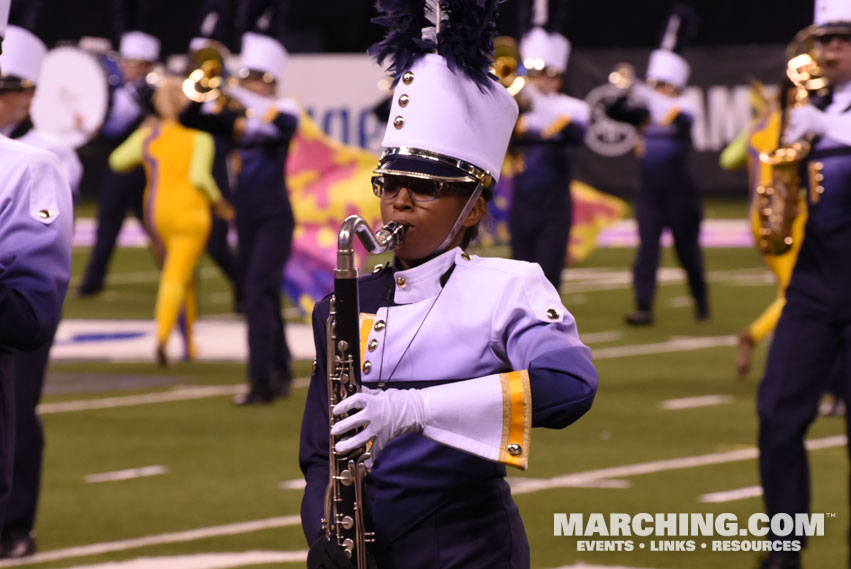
point(815, 325)
point(454, 380)
point(20, 63)
point(131, 103)
point(264, 216)
point(668, 195)
point(547, 137)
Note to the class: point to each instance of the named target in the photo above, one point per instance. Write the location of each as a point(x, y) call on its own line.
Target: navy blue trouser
point(221, 253)
point(29, 373)
point(481, 529)
point(684, 222)
point(7, 430)
point(804, 352)
point(540, 236)
point(264, 246)
point(119, 194)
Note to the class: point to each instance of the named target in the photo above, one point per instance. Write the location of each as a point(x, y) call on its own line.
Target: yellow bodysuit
point(178, 162)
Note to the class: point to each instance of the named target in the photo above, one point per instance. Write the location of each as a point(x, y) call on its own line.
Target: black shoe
point(781, 560)
point(17, 546)
point(639, 318)
point(701, 315)
point(253, 397)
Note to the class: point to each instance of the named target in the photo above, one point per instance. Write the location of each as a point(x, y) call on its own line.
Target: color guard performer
point(462, 355)
point(814, 331)
point(547, 137)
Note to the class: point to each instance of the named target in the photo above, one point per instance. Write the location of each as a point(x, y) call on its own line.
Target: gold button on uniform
point(401, 282)
point(466, 257)
point(379, 326)
point(373, 344)
point(514, 449)
point(367, 366)
point(399, 122)
point(404, 100)
point(552, 313)
point(407, 78)
point(44, 214)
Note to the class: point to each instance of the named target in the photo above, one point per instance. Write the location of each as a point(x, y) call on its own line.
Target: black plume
point(24, 14)
point(466, 40)
point(403, 43)
point(215, 20)
point(267, 17)
point(681, 28)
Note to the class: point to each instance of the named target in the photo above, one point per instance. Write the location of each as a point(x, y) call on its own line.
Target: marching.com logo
point(787, 530)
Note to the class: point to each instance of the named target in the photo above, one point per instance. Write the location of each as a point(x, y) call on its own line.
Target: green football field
point(224, 480)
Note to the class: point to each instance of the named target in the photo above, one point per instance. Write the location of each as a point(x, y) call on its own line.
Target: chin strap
point(468, 207)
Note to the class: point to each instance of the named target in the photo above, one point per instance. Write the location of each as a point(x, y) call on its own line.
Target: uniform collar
point(424, 281)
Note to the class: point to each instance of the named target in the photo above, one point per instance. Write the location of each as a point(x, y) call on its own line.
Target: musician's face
point(547, 84)
point(134, 69)
point(429, 222)
point(258, 86)
point(835, 58)
point(14, 106)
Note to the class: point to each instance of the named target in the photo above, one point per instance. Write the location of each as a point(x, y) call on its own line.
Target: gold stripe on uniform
point(366, 322)
point(516, 419)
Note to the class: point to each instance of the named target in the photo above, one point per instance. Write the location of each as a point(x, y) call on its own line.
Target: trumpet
point(777, 201)
point(343, 519)
point(207, 79)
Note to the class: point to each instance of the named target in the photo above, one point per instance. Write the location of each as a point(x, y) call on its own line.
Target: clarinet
point(343, 519)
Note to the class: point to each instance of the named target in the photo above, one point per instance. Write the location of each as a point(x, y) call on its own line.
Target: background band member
point(264, 216)
point(815, 325)
point(131, 103)
point(35, 230)
point(668, 195)
point(546, 137)
point(436, 407)
point(20, 64)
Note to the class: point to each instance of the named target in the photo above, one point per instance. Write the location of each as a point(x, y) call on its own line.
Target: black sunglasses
point(829, 37)
point(419, 189)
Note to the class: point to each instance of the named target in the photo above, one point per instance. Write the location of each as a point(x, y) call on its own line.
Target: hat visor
point(420, 167)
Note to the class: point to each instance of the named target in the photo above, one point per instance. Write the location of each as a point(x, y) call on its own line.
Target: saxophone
point(343, 519)
point(777, 202)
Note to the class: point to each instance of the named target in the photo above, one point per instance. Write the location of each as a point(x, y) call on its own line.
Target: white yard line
point(180, 394)
point(676, 345)
point(693, 402)
point(731, 495)
point(158, 539)
point(127, 474)
point(600, 337)
point(204, 560)
point(523, 486)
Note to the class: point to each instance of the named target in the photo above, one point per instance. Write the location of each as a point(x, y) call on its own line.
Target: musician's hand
point(256, 130)
point(224, 210)
point(324, 554)
point(804, 120)
point(384, 415)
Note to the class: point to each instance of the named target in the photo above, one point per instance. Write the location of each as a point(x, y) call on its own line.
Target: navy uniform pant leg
point(119, 194)
point(480, 530)
point(650, 225)
point(797, 374)
point(685, 226)
point(221, 253)
point(29, 371)
point(264, 261)
point(541, 236)
point(7, 431)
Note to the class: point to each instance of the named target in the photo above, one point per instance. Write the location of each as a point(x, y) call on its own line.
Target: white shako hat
point(449, 118)
point(833, 15)
point(139, 46)
point(542, 50)
point(263, 26)
point(21, 59)
point(666, 64)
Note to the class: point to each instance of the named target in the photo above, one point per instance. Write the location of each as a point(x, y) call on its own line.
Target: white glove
point(257, 130)
point(804, 120)
point(250, 100)
point(659, 105)
point(384, 414)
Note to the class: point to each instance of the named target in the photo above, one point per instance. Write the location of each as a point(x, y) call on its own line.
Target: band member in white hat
point(547, 137)
point(813, 332)
point(462, 355)
point(131, 102)
point(668, 195)
point(35, 229)
point(264, 216)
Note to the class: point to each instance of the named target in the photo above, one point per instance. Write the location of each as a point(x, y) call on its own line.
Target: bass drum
point(73, 95)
